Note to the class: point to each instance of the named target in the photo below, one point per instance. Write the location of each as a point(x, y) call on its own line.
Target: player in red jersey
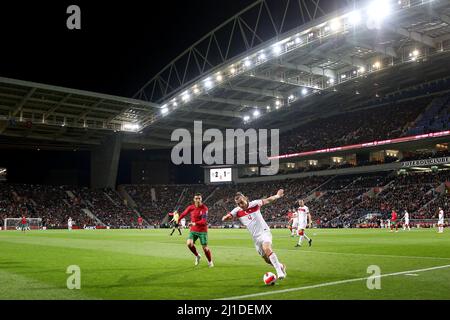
point(140, 220)
point(23, 223)
point(198, 228)
point(394, 221)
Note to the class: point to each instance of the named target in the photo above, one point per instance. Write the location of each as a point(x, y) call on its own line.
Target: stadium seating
point(335, 201)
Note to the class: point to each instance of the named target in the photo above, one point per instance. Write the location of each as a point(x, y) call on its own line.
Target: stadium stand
point(335, 201)
point(384, 122)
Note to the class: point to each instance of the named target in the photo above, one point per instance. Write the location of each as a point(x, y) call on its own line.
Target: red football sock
point(194, 250)
point(208, 254)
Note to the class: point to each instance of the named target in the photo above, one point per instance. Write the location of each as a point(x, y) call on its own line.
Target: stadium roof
point(56, 114)
point(273, 62)
point(326, 62)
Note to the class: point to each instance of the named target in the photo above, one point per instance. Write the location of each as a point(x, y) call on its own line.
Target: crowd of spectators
point(334, 201)
point(379, 123)
point(51, 203)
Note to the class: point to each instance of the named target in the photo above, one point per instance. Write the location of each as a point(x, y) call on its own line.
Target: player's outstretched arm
point(271, 199)
point(228, 216)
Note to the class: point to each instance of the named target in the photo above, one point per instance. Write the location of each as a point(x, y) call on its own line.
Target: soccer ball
point(269, 278)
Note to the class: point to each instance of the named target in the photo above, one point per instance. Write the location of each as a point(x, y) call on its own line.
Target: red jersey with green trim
point(394, 216)
point(199, 216)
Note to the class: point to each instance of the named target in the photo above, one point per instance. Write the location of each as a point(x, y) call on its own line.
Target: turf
point(149, 264)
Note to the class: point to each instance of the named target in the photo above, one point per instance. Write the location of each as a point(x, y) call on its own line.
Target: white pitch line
point(326, 284)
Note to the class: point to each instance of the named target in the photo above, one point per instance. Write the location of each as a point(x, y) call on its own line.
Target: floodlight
point(277, 49)
point(354, 18)
point(378, 10)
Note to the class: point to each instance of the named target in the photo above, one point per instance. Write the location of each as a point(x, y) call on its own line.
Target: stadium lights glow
point(185, 97)
point(256, 113)
point(131, 127)
point(343, 76)
point(268, 108)
point(291, 97)
point(361, 70)
point(246, 118)
point(233, 70)
point(377, 65)
point(247, 63)
point(415, 53)
point(277, 103)
point(164, 110)
point(196, 90)
point(208, 83)
point(378, 10)
point(298, 40)
point(354, 18)
point(331, 81)
point(219, 77)
point(277, 49)
point(175, 104)
point(335, 24)
point(262, 56)
point(304, 91)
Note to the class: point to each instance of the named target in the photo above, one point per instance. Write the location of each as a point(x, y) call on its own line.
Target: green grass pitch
point(149, 264)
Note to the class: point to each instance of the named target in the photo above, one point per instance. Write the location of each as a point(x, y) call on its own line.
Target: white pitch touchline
point(326, 284)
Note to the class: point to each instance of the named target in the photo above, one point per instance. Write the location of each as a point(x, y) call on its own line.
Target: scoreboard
point(220, 175)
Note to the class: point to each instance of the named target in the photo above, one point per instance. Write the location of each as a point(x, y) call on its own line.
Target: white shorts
point(262, 238)
point(302, 225)
point(441, 222)
point(295, 223)
point(406, 221)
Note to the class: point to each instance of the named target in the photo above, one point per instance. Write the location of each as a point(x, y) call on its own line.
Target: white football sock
point(300, 240)
point(275, 263)
point(306, 237)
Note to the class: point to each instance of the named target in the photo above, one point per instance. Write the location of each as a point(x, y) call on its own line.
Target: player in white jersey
point(69, 223)
point(406, 219)
point(249, 214)
point(441, 220)
point(304, 219)
point(294, 222)
point(183, 223)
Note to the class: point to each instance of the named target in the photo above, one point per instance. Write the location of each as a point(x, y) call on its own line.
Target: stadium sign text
point(213, 152)
point(426, 162)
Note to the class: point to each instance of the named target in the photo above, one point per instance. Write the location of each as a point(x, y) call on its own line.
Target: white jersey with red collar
point(303, 214)
point(252, 218)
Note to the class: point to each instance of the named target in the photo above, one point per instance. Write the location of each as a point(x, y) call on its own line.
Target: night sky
point(121, 45)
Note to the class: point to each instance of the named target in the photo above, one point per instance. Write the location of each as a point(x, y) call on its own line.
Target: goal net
point(16, 223)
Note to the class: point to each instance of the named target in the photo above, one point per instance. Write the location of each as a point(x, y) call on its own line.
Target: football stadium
point(298, 150)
